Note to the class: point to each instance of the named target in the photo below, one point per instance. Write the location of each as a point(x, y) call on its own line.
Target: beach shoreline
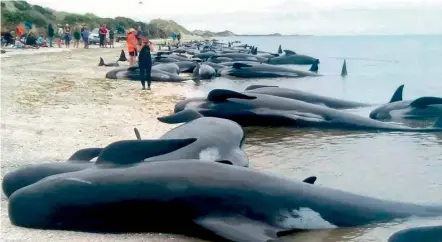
point(54, 103)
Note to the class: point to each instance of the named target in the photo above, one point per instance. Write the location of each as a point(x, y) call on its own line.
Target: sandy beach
point(56, 101)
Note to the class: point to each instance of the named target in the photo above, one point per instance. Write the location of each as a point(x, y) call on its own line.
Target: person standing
point(77, 36)
point(50, 34)
point(60, 35)
point(102, 33)
point(67, 35)
point(111, 38)
point(132, 44)
point(145, 62)
point(85, 35)
point(179, 38)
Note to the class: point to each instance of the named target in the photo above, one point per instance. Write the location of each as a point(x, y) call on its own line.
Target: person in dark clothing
point(50, 34)
point(111, 38)
point(145, 61)
point(7, 38)
point(31, 40)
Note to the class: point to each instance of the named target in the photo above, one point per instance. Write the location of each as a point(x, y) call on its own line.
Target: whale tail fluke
point(344, 69)
point(137, 134)
point(122, 56)
point(184, 116)
point(314, 67)
point(101, 62)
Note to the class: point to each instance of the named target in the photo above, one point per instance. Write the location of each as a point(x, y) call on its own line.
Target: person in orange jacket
point(132, 44)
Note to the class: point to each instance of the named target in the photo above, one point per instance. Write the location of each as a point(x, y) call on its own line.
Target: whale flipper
point(85, 155)
point(253, 87)
point(289, 52)
point(236, 227)
point(239, 65)
point(137, 134)
point(181, 117)
point(397, 95)
point(224, 162)
point(127, 152)
point(310, 180)
point(122, 56)
point(423, 102)
point(101, 62)
point(280, 50)
point(221, 95)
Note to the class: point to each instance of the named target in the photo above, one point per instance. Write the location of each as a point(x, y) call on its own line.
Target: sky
point(311, 17)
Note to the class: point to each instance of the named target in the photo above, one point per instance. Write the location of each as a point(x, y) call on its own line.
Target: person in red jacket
point(102, 33)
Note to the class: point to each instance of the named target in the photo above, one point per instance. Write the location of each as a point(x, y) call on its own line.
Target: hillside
point(206, 33)
point(15, 12)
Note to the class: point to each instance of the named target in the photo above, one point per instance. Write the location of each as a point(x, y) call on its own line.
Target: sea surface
point(396, 166)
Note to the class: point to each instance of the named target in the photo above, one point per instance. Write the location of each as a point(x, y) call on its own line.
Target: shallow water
point(395, 166)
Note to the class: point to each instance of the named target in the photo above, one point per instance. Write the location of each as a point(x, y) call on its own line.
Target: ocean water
point(396, 166)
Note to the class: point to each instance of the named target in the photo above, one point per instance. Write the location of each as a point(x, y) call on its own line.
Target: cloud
point(318, 17)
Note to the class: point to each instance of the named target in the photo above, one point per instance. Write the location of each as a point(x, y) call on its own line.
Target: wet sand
point(54, 103)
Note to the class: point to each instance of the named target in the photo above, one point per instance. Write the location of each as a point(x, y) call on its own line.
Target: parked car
point(94, 37)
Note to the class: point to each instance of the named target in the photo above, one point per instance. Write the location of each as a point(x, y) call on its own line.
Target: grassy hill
point(206, 33)
point(16, 12)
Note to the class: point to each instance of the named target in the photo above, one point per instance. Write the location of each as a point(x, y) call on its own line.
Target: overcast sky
point(317, 17)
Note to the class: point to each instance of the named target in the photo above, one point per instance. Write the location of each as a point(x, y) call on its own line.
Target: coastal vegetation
point(16, 12)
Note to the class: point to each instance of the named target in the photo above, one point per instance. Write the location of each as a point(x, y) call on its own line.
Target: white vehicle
point(94, 37)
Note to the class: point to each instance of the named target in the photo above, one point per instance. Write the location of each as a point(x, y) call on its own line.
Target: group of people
point(139, 45)
point(176, 37)
point(66, 35)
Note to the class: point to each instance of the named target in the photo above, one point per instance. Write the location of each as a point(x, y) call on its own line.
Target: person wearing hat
point(132, 43)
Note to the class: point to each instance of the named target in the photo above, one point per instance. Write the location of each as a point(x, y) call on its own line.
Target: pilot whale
point(305, 96)
point(255, 109)
point(397, 108)
point(235, 203)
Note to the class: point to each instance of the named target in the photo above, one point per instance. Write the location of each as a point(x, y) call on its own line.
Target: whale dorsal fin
point(101, 62)
point(240, 65)
point(397, 95)
point(310, 180)
point(122, 56)
point(344, 68)
point(236, 227)
point(289, 52)
point(85, 155)
point(184, 116)
point(221, 95)
point(280, 50)
point(423, 102)
point(253, 87)
point(128, 152)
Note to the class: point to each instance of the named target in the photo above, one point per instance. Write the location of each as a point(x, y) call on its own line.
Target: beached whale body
point(129, 150)
point(397, 108)
point(133, 73)
point(217, 139)
point(204, 72)
point(235, 203)
point(291, 57)
point(249, 70)
point(258, 109)
point(172, 68)
point(427, 234)
point(306, 97)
